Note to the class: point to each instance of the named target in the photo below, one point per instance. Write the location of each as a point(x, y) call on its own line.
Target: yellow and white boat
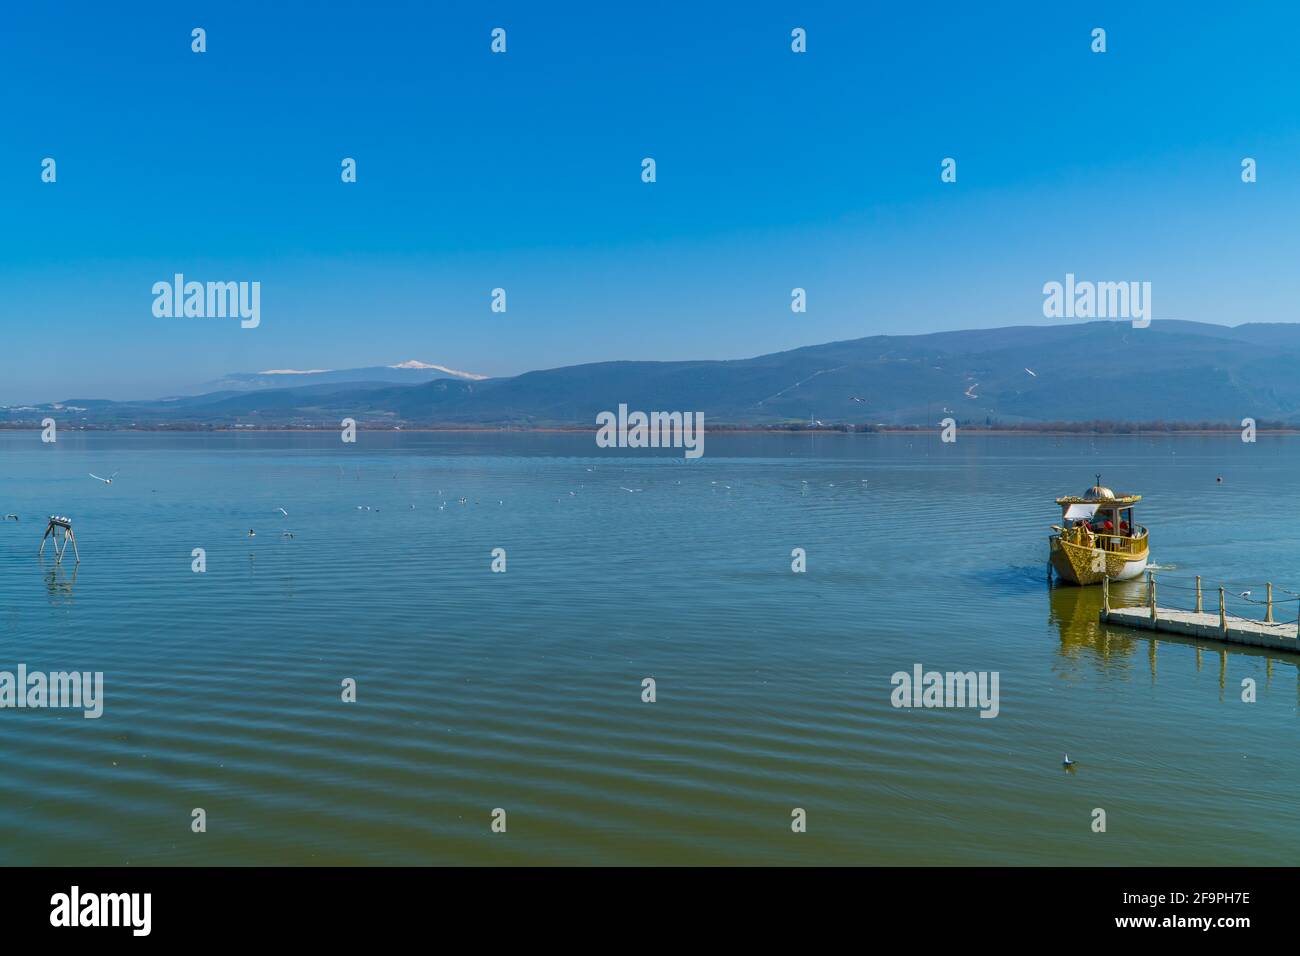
point(1098, 537)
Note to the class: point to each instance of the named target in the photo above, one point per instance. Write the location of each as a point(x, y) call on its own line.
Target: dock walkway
point(1218, 626)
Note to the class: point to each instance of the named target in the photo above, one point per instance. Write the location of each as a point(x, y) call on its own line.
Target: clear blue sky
point(775, 170)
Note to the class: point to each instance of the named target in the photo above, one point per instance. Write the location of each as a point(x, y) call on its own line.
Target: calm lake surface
point(478, 690)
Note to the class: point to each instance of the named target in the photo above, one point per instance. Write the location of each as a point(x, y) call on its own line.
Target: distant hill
point(1172, 371)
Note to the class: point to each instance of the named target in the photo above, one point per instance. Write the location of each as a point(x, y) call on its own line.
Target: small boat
point(1098, 538)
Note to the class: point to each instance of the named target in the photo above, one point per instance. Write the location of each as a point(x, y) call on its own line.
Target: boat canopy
point(1097, 496)
point(1113, 500)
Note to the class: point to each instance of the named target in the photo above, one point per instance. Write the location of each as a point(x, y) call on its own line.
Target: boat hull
point(1083, 565)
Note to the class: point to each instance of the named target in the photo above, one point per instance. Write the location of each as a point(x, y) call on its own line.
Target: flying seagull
point(283, 512)
point(108, 480)
point(1032, 372)
point(8, 516)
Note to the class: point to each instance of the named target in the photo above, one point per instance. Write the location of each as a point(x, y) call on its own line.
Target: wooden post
point(1223, 612)
point(1268, 614)
point(1198, 594)
point(1153, 599)
point(1105, 597)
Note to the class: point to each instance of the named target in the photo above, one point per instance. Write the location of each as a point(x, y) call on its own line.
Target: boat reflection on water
point(1076, 613)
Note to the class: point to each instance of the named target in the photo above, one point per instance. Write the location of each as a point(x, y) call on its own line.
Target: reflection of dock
point(1198, 623)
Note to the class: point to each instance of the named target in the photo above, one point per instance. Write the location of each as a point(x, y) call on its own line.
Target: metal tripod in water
point(60, 530)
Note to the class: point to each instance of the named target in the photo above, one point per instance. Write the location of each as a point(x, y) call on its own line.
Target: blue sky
point(522, 171)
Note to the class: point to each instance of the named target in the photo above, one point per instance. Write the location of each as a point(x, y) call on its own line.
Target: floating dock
point(1219, 626)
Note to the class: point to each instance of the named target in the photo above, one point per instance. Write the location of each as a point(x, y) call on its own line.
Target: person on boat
point(1085, 533)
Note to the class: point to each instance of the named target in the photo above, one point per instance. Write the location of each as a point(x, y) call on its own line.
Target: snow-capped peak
point(414, 363)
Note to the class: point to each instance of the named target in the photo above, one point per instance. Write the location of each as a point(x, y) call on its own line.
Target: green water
point(522, 691)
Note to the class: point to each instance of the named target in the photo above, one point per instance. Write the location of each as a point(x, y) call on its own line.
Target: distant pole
point(1198, 594)
point(1223, 612)
point(1105, 596)
point(1152, 592)
point(1268, 614)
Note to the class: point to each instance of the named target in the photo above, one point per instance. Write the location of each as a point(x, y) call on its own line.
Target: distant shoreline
point(1103, 430)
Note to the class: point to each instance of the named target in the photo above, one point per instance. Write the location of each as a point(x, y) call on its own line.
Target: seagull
point(854, 398)
point(8, 516)
point(1067, 762)
point(108, 480)
point(1032, 372)
point(1219, 480)
point(283, 512)
point(1246, 595)
point(631, 489)
point(252, 533)
point(287, 534)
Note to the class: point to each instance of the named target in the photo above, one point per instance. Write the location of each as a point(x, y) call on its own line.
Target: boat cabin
point(1102, 517)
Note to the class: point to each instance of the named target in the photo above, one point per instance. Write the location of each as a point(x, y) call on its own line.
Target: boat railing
point(1123, 544)
point(1107, 541)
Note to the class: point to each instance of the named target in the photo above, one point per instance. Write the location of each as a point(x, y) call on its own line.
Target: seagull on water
point(1067, 762)
point(108, 480)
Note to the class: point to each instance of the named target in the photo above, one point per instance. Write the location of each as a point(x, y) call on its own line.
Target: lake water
point(522, 690)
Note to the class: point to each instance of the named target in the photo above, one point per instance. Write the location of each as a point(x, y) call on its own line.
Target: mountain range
point(1173, 371)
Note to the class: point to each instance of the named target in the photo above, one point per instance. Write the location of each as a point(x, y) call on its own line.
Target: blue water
point(522, 690)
